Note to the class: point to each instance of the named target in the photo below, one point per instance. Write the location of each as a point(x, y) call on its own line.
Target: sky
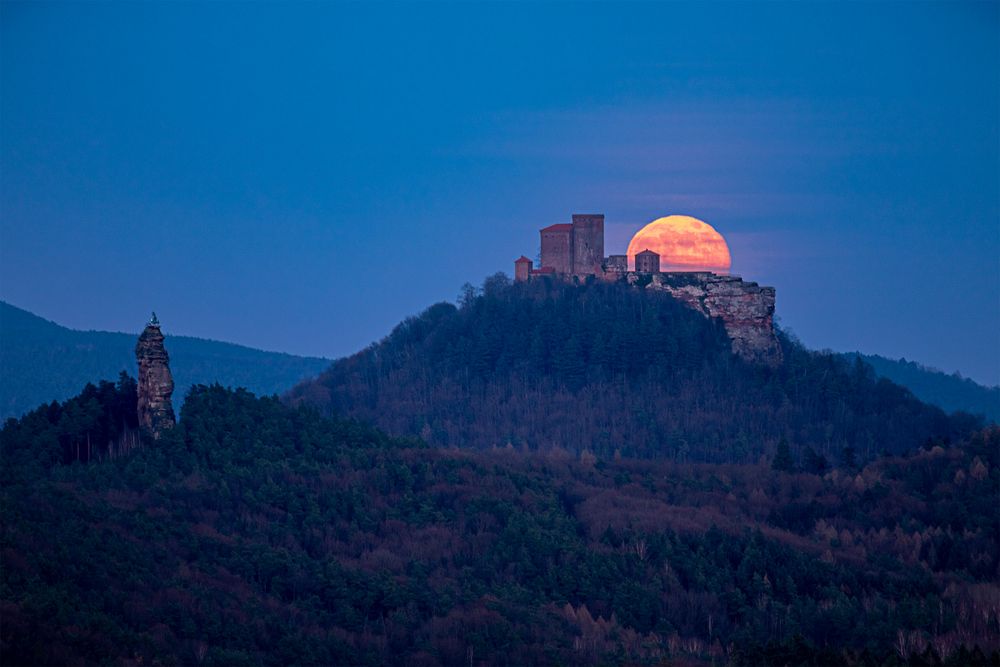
point(301, 177)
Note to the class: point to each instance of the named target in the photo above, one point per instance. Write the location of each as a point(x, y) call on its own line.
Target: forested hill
point(257, 534)
point(951, 392)
point(614, 370)
point(41, 361)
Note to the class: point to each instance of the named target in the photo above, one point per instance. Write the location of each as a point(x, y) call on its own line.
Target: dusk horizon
point(857, 178)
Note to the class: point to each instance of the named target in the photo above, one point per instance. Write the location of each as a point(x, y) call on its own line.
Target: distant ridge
point(949, 392)
point(41, 361)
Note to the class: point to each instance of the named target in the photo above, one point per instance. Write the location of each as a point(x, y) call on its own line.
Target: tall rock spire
point(155, 382)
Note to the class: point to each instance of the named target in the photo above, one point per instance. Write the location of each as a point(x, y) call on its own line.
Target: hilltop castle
point(575, 251)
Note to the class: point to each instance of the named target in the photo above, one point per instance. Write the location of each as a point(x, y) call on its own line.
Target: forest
point(258, 533)
point(606, 368)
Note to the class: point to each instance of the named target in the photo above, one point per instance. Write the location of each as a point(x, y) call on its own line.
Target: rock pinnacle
point(156, 385)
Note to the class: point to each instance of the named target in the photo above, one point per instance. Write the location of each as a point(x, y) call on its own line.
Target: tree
point(814, 463)
point(496, 284)
point(848, 458)
point(783, 457)
point(467, 295)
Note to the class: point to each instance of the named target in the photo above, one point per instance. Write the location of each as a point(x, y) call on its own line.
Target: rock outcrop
point(745, 308)
point(156, 385)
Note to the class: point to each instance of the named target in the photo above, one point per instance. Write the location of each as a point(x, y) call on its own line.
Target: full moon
point(683, 243)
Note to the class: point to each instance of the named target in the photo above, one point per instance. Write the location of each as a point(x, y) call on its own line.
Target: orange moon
point(683, 243)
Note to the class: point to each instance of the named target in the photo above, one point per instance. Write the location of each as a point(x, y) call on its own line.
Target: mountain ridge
point(949, 391)
point(610, 368)
point(43, 361)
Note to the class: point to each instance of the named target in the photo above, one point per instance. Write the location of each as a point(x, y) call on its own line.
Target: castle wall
point(588, 244)
point(617, 263)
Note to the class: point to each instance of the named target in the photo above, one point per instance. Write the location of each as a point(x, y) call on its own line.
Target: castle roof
point(522, 258)
point(560, 227)
point(647, 251)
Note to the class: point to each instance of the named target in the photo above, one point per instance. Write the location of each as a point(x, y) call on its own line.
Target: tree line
point(256, 533)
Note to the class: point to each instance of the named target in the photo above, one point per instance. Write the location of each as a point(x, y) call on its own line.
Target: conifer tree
point(814, 463)
point(783, 457)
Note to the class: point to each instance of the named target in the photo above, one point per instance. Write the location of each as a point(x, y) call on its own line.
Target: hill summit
point(574, 252)
point(614, 369)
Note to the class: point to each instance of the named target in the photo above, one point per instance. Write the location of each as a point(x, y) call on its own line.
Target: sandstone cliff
point(156, 385)
point(745, 308)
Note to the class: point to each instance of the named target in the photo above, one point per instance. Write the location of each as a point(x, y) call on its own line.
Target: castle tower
point(557, 248)
point(156, 385)
point(588, 244)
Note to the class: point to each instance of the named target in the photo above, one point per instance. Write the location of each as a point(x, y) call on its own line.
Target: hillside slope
point(256, 534)
point(949, 392)
point(41, 361)
point(609, 368)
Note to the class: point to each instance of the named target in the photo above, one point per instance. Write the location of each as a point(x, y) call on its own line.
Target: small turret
point(156, 384)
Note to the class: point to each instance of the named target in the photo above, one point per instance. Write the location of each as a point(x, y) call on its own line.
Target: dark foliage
point(783, 457)
point(610, 368)
point(254, 533)
point(100, 423)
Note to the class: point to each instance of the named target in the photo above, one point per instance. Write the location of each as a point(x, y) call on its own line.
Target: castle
point(574, 249)
point(575, 252)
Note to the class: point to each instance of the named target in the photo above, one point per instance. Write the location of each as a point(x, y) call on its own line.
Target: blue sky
point(300, 177)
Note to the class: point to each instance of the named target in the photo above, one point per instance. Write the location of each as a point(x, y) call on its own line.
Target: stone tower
point(588, 244)
point(155, 382)
point(575, 249)
point(557, 248)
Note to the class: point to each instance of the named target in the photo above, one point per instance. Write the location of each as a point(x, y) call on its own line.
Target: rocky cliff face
point(746, 309)
point(156, 385)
